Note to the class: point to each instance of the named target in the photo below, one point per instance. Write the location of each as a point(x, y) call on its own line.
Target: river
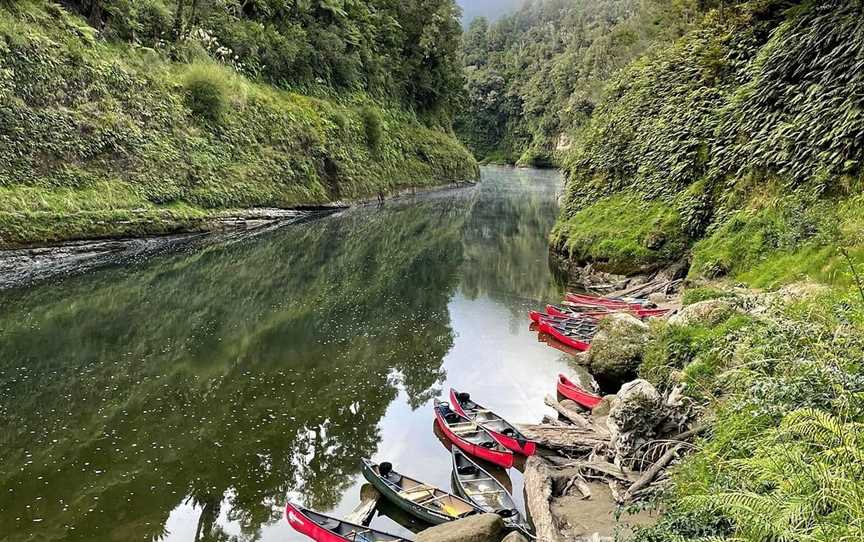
point(185, 396)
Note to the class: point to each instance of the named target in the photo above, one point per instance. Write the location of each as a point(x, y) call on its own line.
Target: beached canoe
point(470, 437)
point(425, 502)
point(565, 322)
point(485, 492)
point(502, 430)
point(579, 340)
point(323, 528)
point(577, 393)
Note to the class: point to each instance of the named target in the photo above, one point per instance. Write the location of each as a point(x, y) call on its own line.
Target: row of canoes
point(475, 433)
point(574, 322)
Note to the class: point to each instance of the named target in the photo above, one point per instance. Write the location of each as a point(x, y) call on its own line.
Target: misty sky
point(491, 9)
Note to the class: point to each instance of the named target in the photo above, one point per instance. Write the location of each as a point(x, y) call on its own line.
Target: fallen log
point(538, 496)
point(362, 515)
point(651, 473)
point(569, 439)
point(568, 409)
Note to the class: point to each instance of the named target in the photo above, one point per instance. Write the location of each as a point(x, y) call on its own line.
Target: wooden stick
point(603, 467)
point(651, 473)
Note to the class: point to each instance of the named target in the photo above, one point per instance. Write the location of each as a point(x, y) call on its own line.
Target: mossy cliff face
point(102, 138)
point(744, 136)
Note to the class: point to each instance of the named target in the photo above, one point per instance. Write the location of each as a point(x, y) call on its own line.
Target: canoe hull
point(521, 446)
point(500, 458)
point(575, 393)
point(304, 525)
point(407, 506)
point(582, 346)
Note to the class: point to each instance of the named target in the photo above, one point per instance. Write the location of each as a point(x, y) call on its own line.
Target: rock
point(657, 298)
point(710, 313)
point(479, 528)
point(617, 349)
point(634, 417)
point(603, 408)
point(515, 536)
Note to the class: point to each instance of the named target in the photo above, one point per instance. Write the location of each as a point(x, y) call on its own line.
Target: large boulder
point(479, 528)
point(637, 412)
point(515, 536)
point(617, 349)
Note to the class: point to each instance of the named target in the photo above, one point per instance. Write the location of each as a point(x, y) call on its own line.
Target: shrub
point(373, 126)
point(207, 91)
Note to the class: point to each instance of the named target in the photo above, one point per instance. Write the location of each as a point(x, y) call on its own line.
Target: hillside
point(535, 76)
point(725, 139)
point(139, 118)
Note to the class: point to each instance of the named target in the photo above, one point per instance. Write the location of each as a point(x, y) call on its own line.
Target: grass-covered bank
point(738, 149)
point(101, 137)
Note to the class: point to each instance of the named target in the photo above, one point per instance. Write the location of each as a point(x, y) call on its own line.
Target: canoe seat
point(329, 524)
point(417, 493)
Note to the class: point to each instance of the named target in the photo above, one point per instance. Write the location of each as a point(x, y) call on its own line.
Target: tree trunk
point(95, 18)
point(178, 19)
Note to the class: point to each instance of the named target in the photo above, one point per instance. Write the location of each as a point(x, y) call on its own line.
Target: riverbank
point(104, 139)
point(24, 266)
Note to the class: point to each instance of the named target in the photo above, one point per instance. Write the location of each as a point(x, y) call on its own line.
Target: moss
point(622, 234)
point(784, 240)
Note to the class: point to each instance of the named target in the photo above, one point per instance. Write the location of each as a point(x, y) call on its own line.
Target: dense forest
point(147, 116)
point(728, 137)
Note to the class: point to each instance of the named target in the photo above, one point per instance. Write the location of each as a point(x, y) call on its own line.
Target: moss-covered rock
point(617, 349)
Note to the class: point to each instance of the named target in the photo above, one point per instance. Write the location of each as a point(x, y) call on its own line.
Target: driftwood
point(651, 473)
point(538, 496)
point(570, 439)
point(602, 467)
point(549, 420)
point(362, 515)
point(568, 409)
point(689, 433)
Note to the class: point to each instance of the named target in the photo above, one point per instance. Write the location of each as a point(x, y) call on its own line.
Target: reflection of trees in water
point(507, 234)
point(248, 370)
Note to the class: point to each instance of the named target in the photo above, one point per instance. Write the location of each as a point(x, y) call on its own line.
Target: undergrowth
point(785, 389)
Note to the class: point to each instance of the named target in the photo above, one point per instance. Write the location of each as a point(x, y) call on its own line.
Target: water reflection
point(183, 398)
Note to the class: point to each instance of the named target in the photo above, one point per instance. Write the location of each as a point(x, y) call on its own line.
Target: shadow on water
point(222, 379)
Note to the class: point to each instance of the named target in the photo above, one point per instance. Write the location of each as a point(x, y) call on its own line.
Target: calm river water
point(184, 397)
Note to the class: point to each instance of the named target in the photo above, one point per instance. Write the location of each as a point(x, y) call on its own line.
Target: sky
point(491, 9)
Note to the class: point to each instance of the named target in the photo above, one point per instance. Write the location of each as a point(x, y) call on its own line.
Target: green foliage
point(784, 458)
point(704, 293)
point(100, 139)
point(538, 74)
point(693, 354)
point(373, 126)
point(783, 239)
point(401, 51)
point(207, 92)
point(622, 234)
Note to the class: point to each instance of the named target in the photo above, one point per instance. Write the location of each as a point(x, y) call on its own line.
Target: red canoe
point(323, 528)
point(470, 437)
point(578, 341)
point(500, 429)
point(577, 393)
